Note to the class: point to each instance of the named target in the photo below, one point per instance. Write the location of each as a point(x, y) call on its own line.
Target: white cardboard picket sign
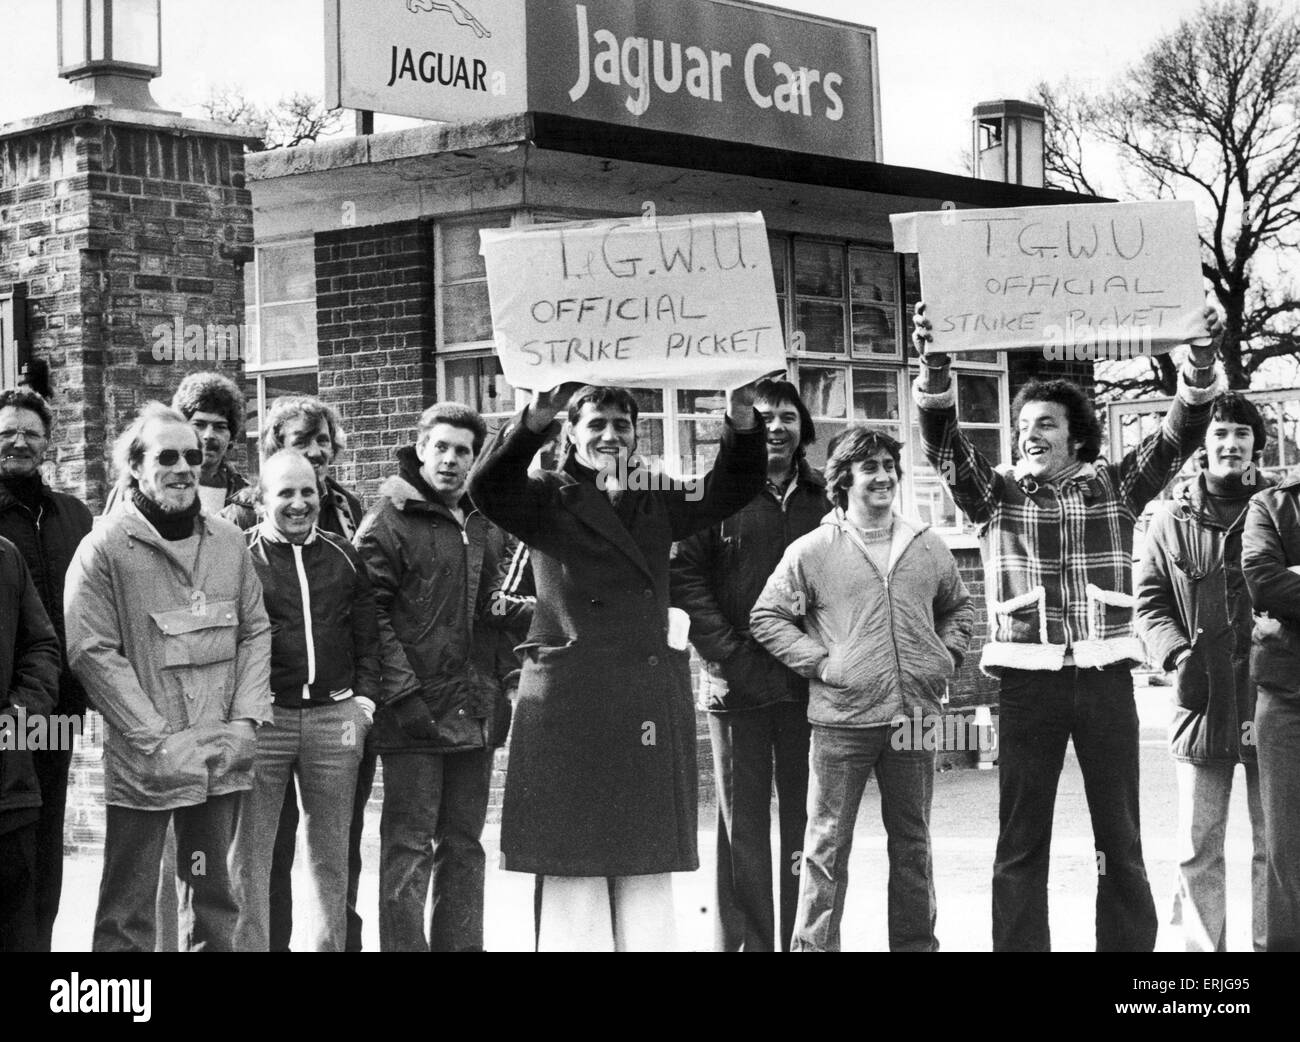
point(683, 301)
point(1104, 274)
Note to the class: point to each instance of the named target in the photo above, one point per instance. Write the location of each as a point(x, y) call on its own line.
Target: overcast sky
point(937, 57)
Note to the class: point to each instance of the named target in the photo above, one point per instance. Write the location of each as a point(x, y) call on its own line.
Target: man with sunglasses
point(168, 633)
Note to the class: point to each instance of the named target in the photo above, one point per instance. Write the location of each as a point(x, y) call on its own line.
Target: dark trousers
point(1040, 711)
point(133, 847)
point(52, 774)
point(750, 747)
point(282, 854)
point(1277, 730)
point(18, 932)
point(435, 806)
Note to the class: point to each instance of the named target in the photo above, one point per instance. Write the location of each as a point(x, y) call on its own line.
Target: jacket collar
point(7, 500)
point(590, 505)
point(905, 532)
point(1076, 475)
point(267, 531)
point(1189, 501)
point(407, 498)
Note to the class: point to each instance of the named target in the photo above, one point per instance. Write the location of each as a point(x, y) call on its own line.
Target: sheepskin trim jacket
point(1058, 555)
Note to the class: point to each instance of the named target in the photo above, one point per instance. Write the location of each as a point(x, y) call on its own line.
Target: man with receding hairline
point(167, 631)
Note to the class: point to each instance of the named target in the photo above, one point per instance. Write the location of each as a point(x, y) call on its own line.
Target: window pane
point(714, 402)
point(135, 31)
point(466, 315)
point(287, 272)
point(819, 268)
point(823, 391)
point(911, 295)
point(460, 248)
point(650, 438)
point(874, 330)
point(818, 451)
point(277, 385)
point(648, 399)
point(934, 505)
point(822, 325)
point(776, 246)
point(873, 275)
point(875, 395)
point(479, 383)
point(287, 333)
point(977, 399)
point(699, 440)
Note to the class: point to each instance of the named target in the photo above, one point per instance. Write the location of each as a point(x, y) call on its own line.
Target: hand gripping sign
point(679, 301)
point(1106, 275)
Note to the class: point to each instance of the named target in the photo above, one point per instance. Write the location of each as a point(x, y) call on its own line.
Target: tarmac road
point(964, 827)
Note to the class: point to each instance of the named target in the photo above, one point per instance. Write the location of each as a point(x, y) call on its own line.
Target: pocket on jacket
point(1192, 684)
point(198, 639)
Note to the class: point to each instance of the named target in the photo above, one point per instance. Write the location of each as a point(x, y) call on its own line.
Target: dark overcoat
point(602, 776)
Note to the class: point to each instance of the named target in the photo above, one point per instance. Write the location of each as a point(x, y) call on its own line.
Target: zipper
point(305, 594)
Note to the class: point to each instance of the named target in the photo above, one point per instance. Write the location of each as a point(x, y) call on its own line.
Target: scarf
point(172, 526)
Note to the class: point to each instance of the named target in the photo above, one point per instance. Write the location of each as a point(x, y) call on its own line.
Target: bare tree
point(1210, 113)
point(1067, 112)
point(293, 120)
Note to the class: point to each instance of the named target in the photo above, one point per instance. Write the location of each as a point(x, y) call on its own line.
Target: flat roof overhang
point(407, 173)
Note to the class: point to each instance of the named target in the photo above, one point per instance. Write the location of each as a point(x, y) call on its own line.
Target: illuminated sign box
point(714, 69)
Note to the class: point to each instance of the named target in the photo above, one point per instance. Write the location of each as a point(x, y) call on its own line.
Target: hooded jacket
point(436, 581)
point(169, 654)
point(1191, 595)
point(872, 646)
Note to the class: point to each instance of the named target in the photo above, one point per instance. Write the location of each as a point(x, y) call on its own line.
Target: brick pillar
point(127, 228)
point(375, 337)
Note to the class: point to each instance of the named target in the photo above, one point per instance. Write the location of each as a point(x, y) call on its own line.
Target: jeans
point(1277, 730)
point(282, 854)
point(322, 747)
point(52, 773)
point(435, 806)
point(840, 761)
point(1039, 712)
point(18, 931)
point(128, 889)
point(745, 746)
point(1200, 900)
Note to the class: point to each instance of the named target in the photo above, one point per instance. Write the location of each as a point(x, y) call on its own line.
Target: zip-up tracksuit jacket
point(324, 637)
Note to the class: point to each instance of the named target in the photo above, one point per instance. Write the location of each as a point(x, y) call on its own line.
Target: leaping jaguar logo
point(451, 7)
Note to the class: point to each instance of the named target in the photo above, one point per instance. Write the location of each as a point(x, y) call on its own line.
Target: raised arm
point(974, 484)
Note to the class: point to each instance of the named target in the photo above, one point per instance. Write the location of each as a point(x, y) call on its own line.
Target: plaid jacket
point(1058, 557)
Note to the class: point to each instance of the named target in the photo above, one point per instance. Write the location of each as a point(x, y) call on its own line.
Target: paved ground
point(964, 825)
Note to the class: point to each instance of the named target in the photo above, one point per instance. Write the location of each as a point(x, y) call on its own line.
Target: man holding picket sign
point(600, 798)
point(1083, 281)
point(1057, 535)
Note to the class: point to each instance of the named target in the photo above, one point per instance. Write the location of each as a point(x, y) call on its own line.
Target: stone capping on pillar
point(165, 121)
